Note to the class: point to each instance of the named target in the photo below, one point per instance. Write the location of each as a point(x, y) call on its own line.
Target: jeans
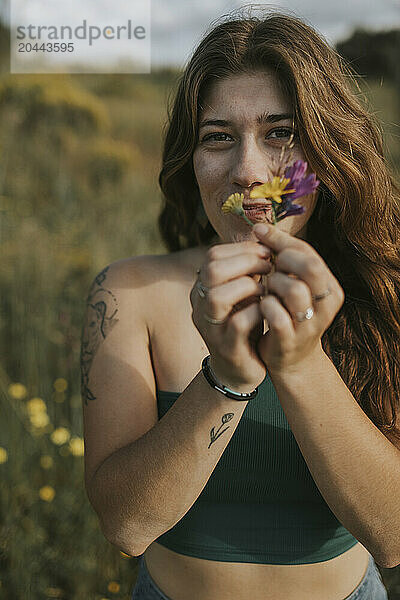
point(370, 587)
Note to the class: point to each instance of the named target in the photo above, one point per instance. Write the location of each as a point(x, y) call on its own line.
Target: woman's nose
point(249, 165)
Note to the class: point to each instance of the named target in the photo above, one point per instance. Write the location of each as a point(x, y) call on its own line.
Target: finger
point(313, 271)
point(244, 323)
point(216, 272)
point(223, 298)
point(280, 323)
point(222, 251)
point(294, 295)
point(276, 239)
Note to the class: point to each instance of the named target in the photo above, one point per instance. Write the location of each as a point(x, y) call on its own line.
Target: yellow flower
point(59, 397)
point(54, 592)
point(36, 405)
point(113, 587)
point(234, 204)
point(3, 455)
point(77, 446)
point(39, 419)
point(60, 384)
point(271, 189)
point(17, 390)
point(60, 436)
point(46, 461)
point(47, 493)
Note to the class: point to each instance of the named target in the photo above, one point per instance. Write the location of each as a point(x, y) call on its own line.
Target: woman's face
point(245, 121)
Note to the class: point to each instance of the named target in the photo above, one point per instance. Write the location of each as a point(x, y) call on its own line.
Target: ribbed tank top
point(260, 504)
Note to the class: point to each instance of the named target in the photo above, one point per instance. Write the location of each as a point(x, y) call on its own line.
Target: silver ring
point(302, 316)
point(318, 297)
point(214, 321)
point(202, 289)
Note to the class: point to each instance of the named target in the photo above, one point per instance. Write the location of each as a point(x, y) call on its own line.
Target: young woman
point(286, 486)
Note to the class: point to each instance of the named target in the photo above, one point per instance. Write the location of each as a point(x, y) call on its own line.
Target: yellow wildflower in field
point(60, 384)
point(59, 397)
point(17, 391)
point(46, 461)
point(36, 405)
point(54, 592)
point(77, 446)
point(3, 455)
point(60, 436)
point(39, 419)
point(113, 587)
point(47, 493)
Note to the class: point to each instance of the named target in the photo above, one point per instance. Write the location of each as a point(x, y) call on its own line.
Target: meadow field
point(79, 160)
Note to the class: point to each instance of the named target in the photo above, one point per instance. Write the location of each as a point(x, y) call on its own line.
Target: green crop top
point(260, 504)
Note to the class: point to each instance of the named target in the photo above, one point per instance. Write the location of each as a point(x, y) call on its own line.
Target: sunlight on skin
point(233, 157)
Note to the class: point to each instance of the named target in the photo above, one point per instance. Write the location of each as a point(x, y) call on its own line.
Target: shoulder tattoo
point(101, 317)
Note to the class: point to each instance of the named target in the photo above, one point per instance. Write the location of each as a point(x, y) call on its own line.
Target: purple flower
point(302, 184)
point(288, 209)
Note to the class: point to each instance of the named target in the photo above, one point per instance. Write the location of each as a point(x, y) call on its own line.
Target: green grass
point(78, 189)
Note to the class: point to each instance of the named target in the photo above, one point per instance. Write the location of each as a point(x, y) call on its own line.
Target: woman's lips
point(257, 212)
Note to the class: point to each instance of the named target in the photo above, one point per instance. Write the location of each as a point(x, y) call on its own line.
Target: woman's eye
point(218, 137)
point(282, 132)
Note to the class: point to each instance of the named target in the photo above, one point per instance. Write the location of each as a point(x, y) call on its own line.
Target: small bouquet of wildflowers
point(286, 184)
point(281, 191)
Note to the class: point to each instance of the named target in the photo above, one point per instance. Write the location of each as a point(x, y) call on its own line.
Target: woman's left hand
point(288, 342)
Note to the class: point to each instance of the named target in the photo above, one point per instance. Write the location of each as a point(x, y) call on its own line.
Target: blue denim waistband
point(370, 587)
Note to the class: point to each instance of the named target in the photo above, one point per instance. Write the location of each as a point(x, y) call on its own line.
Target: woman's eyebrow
point(262, 119)
point(267, 118)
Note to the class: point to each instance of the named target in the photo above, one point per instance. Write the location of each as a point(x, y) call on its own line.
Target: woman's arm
point(143, 474)
point(146, 487)
point(356, 468)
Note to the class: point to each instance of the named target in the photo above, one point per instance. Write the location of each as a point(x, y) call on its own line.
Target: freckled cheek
point(208, 172)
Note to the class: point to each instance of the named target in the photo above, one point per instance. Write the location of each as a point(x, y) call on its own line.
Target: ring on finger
point(201, 288)
point(318, 297)
point(303, 316)
point(214, 321)
point(309, 313)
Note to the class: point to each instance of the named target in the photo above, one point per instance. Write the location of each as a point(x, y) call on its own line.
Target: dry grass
point(78, 190)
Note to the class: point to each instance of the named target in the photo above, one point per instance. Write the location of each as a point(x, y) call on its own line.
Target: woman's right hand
point(230, 273)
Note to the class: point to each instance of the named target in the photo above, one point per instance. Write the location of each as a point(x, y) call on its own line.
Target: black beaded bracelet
point(209, 375)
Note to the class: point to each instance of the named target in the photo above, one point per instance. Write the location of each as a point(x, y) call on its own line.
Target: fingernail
point(261, 228)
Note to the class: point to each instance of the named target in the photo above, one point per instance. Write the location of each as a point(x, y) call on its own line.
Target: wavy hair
point(356, 222)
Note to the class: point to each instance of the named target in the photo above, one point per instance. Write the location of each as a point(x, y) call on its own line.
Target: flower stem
point(273, 213)
point(273, 255)
point(247, 220)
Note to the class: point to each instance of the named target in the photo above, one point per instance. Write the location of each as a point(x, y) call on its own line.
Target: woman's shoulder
point(151, 271)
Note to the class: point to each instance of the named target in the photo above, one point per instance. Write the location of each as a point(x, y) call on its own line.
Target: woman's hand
point(232, 298)
point(300, 275)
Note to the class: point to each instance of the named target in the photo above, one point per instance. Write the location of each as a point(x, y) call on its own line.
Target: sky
point(178, 25)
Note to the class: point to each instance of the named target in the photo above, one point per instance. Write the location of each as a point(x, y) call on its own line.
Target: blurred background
point(79, 161)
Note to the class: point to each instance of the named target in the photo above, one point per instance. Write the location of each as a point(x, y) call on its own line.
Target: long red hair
point(356, 223)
